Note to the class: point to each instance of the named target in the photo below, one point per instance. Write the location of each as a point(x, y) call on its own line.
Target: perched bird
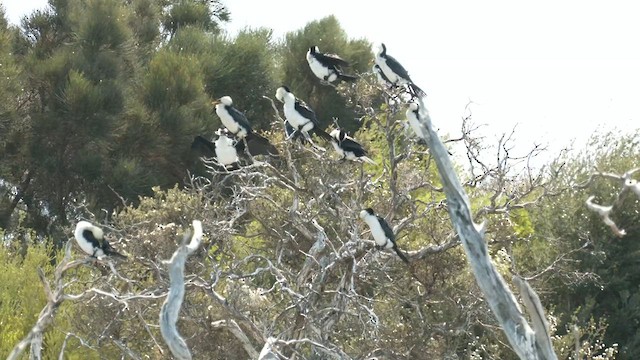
point(299, 115)
point(238, 124)
point(413, 116)
point(327, 66)
point(347, 147)
point(394, 72)
point(381, 232)
point(224, 149)
point(91, 240)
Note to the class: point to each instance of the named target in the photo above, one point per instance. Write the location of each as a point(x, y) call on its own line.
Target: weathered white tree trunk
point(527, 343)
point(171, 306)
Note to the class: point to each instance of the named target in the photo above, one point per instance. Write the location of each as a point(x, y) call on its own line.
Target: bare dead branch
point(239, 334)
point(171, 307)
point(604, 212)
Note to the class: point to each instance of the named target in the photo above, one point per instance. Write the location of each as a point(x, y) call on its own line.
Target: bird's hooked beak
point(215, 102)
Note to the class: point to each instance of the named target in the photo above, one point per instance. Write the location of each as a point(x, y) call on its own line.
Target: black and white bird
point(238, 124)
point(224, 149)
point(381, 232)
point(413, 117)
point(395, 72)
point(327, 67)
point(299, 115)
point(347, 147)
point(91, 240)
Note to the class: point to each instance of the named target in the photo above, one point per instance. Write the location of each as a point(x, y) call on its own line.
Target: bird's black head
point(384, 50)
point(286, 88)
point(369, 211)
point(313, 49)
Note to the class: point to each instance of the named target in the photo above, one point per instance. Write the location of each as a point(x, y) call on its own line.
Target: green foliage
point(22, 297)
point(244, 68)
point(173, 81)
point(204, 14)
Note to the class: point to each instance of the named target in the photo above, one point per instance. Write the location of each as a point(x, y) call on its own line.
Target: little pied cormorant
point(326, 67)
point(347, 147)
point(299, 115)
point(91, 240)
point(381, 232)
point(238, 125)
point(395, 72)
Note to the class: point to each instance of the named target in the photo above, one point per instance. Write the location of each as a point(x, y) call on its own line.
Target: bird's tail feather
point(114, 253)
point(260, 145)
point(204, 146)
point(416, 90)
point(110, 251)
point(345, 77)
point(368, 160)
point(400, 254)
point(323, 134)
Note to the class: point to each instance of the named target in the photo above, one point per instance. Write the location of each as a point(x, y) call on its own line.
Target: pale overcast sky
point(558, 69)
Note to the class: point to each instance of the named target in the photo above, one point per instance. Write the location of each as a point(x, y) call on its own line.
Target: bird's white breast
point(295, 119)
point(377, 232)
point(388, 72)
point(338, 148)
point(225, 152)
point(227, 119)
point(317, 68)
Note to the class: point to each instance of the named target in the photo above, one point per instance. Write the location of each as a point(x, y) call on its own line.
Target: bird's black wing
point(109, 250)
point(239, 118)
point(305, 111)
point(388, 232)
point(204, 146)
point(397, 68)
point(240, 146)
point(95, 243)
point(354, 147)
point(323, 134)
point(332, 59)
point(259, 145)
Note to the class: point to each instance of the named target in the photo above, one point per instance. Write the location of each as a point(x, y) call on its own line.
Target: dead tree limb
point(523, 339)
point(627, 183)
point(171, 306)
point(236, 330)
